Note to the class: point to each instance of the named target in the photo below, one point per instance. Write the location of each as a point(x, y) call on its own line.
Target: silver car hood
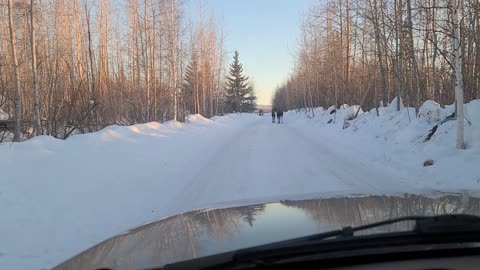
point(206, 232)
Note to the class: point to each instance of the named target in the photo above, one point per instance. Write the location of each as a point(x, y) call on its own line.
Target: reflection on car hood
point(206, 232)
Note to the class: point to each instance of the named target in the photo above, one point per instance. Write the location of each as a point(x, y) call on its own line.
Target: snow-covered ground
point(397, 140)
point(58, 198)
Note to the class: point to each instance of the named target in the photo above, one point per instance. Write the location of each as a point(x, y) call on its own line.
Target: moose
point(276, 113)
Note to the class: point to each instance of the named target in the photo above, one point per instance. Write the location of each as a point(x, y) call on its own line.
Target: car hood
point(205, 232)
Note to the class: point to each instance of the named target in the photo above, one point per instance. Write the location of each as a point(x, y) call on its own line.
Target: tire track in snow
point(265, 160)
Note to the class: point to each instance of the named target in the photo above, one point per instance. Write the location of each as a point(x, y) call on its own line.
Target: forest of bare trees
point(79, 65)
point(368, 52)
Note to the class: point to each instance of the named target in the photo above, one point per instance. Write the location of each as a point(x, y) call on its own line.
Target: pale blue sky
point(265, 32)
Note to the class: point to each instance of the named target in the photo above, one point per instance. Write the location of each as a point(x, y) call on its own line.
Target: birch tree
point(36, 95)
point(458, 57)
point(18, 98)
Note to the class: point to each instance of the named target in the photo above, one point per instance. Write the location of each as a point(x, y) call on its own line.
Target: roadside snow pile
point(198, 118)
point(400, 140)
point(396, 126)
point(331, 117)
point(401, 126)
point(430, 111)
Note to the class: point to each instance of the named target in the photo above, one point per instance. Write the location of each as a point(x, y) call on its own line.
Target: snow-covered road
point(265, 160)
point(58, 198)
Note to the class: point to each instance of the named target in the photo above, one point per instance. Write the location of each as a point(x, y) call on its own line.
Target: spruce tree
point(191, 84)
point(239, 94)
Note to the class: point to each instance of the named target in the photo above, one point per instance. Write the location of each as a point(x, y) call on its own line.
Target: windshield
point(117, 113)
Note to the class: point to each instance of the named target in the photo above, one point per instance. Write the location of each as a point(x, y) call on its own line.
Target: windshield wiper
point(434, 225)
point(423, 225)
point(426, 230)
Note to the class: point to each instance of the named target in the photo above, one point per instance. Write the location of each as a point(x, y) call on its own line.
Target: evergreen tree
point(239, 94)
point(191, 85)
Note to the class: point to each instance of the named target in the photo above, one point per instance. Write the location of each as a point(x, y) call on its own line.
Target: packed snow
point(58, 197)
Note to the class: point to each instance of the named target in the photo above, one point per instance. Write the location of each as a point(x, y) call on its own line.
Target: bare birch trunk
point(174, 52)
point(36, 95)
point(457, 52)
point(17, 100)
point(416, 86)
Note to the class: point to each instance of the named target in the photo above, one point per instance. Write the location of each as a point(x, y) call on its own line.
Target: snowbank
point(399, 140)
point(430, 111)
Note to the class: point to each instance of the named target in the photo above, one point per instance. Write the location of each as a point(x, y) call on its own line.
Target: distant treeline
point(369, 51)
